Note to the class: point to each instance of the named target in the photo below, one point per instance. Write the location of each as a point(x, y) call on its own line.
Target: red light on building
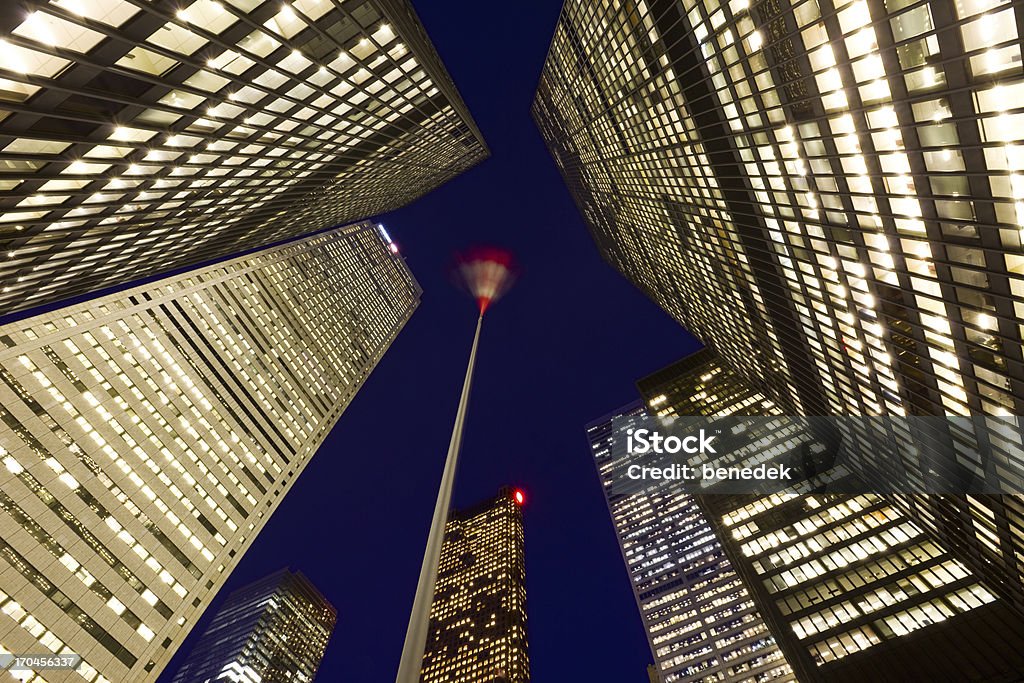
point(519, 497)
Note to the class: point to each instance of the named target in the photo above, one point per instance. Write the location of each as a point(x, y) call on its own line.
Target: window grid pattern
point(478, 626)
point(835, 574)
point(274, 631)
point(868, 157)
point(616, 118)
point(135, 139)
point(147, 436)
point(700, 620)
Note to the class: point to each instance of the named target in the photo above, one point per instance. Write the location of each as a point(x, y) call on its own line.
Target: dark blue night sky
point(564, 347)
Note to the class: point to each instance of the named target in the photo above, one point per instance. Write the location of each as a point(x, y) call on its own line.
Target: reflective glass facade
point(851, 585)
point(700, 620)
point(828, 194)
point(146, 437)
point(477, 630)
point(272, 631)
point(136, 138)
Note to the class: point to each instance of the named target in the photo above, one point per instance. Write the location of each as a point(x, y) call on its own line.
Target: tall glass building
point(828, 194)
point(852, 588)
point(146, 437)
point(700, 620)
point(272, 631)
point(477, 631)
point(137, 138)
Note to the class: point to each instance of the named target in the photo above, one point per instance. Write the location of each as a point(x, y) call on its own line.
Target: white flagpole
point(419, 619)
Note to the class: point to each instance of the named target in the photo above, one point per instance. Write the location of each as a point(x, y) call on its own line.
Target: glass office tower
point(146, 437)
point(477, 631)
point(273, 631)
point(700, 620)
point(852, 588)
point(828, 194)
point(137, 138)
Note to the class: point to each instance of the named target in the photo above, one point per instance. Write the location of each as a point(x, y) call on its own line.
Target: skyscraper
point(828, 195)
point(849, 584)
point(478, 615)
point(148, 436)
point(274, 631)
point(700, 620)
point(136, 138)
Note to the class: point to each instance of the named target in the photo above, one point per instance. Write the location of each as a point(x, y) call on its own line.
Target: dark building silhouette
point(274, 630)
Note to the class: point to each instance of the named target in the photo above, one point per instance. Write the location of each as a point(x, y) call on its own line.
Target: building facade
point(827, 193)
point(851, 586)
point(137, 138)
point(700, 620)
point(272, 631)
point(147, 437)
point(477, 631)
